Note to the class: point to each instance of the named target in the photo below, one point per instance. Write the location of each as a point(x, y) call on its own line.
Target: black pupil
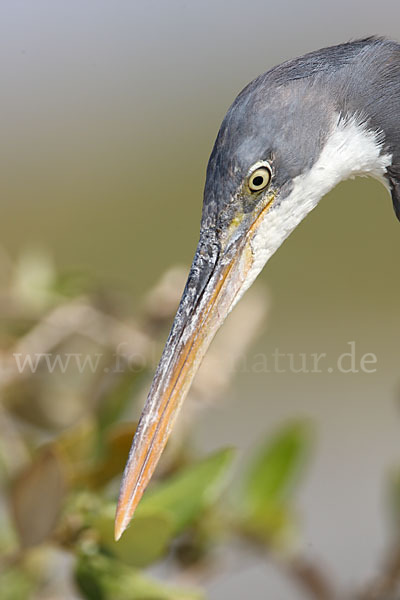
point(258, 180)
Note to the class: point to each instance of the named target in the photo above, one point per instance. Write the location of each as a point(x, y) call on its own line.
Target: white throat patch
point(350, 150)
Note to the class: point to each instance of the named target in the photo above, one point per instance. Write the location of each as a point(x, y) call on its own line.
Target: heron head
point(285, 141)
point(269, 141)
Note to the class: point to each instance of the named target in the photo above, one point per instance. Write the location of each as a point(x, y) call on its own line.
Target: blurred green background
point(108, 115)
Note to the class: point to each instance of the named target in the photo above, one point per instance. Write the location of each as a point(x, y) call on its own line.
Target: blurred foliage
point(74, 372)
point(270, 482)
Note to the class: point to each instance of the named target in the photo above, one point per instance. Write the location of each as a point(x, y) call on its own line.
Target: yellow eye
point(259, 179)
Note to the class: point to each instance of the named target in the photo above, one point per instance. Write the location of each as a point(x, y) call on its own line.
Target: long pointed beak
point(215, 282)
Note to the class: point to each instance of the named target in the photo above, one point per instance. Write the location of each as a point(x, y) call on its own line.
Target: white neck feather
point(350, 150)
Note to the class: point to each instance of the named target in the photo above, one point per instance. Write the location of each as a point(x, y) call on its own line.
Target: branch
point(385, 585)
point(311, 578)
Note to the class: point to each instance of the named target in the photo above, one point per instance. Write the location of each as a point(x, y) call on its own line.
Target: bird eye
point(259, 179)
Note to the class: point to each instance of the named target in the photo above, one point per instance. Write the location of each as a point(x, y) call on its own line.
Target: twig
point(311, 578)
point(74, 318)
point(386, 585)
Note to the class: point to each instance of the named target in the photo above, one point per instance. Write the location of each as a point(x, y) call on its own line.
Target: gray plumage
point(284, 114)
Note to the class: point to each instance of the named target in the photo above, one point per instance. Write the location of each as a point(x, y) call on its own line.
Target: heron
point(289, 137)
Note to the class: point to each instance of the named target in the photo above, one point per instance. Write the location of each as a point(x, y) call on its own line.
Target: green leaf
point(275, 525)
point(267, 514)
point(145, 540)
point(114, 449)
point(164, 512)
point(102, 578)
point(277, 466)
point(186, 495)
point(87, 577)
point(113, 403)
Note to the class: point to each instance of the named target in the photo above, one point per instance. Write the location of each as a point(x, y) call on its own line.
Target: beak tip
point(190, 336)
point(119, 530)
point(121, 523)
